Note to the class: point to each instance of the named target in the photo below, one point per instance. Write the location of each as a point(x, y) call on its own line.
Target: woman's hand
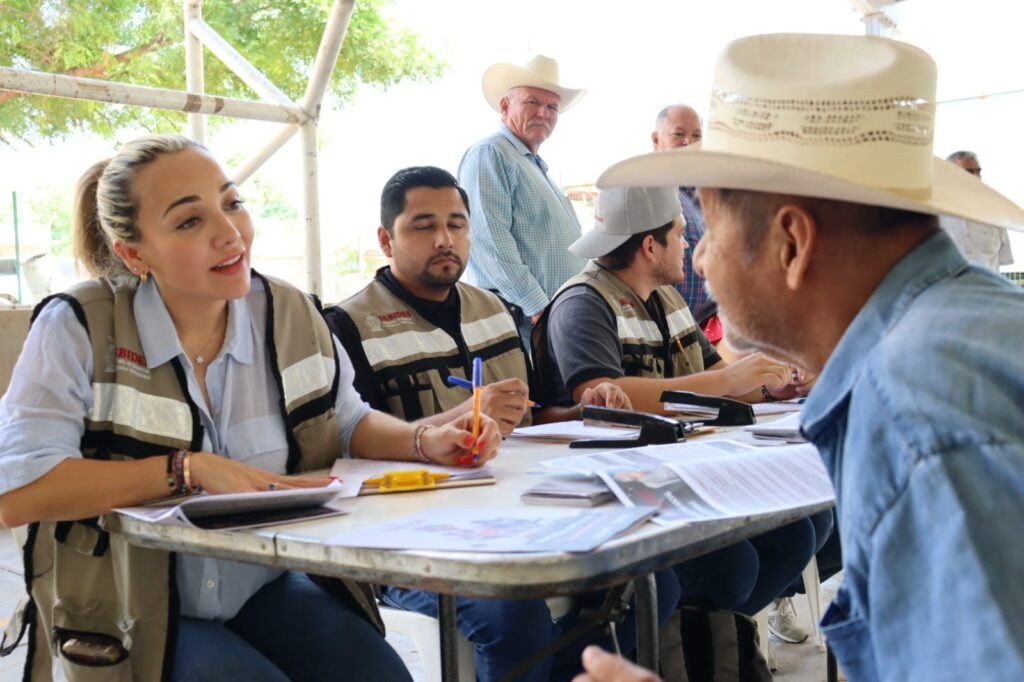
point(217, 474)
point(452, 443)
point(606, 394)
point(601, 666)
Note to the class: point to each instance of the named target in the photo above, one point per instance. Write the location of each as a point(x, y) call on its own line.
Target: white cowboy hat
point(624, 211)
point(540, 72)
point(849, 118)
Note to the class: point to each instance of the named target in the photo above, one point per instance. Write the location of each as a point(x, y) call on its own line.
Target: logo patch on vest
point(391, 319)
point(132, 362)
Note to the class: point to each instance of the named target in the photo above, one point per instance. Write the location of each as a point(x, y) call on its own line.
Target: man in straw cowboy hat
point(521, 220)
point(823, 249)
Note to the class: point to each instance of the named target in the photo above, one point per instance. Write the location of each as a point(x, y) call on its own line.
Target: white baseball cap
point(625, 211)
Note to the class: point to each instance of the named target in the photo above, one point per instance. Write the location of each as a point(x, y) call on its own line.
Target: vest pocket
point(90, 644)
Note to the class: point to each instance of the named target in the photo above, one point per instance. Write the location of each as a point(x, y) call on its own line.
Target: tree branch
point(102, 67)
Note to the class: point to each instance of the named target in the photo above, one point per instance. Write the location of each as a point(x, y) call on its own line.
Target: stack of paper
point(784, 430)
point(563, 432)
point(517, 529)
point(570, 491)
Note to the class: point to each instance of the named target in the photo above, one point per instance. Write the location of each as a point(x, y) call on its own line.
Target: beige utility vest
point(647, 351)
point(411, 357)
point(87, 583)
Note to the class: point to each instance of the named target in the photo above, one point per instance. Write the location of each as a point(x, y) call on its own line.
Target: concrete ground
point(797, 662)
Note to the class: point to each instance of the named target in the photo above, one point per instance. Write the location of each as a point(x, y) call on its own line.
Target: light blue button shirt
point(521, 223)
point(919, 418)
point(42, 416)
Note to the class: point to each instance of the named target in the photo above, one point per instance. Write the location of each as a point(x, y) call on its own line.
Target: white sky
point(634, 57)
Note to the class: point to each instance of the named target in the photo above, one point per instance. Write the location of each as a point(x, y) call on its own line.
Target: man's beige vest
point(85, 582)
point(646, 351)
point(411, 357)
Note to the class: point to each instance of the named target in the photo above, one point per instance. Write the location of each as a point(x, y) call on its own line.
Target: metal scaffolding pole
point(73, 87)
point(194, 79)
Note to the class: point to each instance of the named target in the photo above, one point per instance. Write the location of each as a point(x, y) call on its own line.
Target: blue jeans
point(505, 632)
point(289, 630)
point(748, 575)
point(827, 550)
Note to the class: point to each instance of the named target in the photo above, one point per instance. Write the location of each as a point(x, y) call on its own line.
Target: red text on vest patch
point(132, 356)
point(395, 315)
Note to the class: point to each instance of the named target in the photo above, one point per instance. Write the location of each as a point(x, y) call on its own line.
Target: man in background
point(522, 222)
point(981, 244)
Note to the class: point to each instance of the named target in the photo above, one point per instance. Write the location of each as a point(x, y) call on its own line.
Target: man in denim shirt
point(825, 252)
point(521, 221)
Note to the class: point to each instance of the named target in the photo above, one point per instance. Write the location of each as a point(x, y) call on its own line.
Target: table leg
point(646, 622)
point(449, 638)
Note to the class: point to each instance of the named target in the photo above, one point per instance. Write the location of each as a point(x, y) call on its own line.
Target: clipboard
point(416, 480)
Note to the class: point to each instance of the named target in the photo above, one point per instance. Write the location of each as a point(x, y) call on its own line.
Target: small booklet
point(515, 529)
point(565, 432)
point(783, 430)
point(241, 510)
point(569, 491)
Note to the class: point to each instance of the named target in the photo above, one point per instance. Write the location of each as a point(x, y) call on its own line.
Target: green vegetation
point(140, 42)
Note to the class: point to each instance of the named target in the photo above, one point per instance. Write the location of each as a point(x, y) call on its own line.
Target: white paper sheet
point(739, 483)
point(515, 529)
point(351, 473)
point(777, 408)
point(649, 456)
point(572, 430)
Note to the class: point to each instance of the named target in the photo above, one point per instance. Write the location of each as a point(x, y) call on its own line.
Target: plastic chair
point(425, 633)
point(812, 586)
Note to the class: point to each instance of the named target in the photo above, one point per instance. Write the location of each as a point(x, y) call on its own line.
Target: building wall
point(13, 329)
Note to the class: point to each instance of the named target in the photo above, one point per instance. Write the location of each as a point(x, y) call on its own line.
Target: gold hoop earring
point(144, 276)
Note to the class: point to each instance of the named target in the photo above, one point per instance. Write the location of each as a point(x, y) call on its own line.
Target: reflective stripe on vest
point(643, 346)
point(410, 357)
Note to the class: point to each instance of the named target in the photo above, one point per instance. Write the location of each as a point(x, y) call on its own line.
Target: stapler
point(730, 412)
point(654, 429)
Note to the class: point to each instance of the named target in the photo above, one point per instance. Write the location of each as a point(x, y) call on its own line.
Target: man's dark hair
point(392, 198)
point(625, 253)
point(962, 155)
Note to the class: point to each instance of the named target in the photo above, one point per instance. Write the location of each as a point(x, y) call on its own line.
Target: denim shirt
point(521, 223)
point(919, 418)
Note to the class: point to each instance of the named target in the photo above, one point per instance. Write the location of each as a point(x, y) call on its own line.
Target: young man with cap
point(410, 329)
point(820, 194)
point(522, 221)
point(640, 335)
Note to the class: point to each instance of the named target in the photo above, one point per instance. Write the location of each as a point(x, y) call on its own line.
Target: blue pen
point(465, 383)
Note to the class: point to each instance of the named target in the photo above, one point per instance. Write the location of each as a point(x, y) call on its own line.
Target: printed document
point(515, 529)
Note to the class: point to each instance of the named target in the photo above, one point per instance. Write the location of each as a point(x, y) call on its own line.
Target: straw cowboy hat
point(540, 72)
point(849, 118)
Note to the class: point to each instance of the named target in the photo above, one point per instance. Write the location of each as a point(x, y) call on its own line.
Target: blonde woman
point(176, 369)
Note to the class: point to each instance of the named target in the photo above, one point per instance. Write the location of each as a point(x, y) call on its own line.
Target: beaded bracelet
point(767, 395)
point(417, 443)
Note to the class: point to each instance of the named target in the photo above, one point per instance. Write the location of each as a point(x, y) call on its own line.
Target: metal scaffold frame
point(274, 106)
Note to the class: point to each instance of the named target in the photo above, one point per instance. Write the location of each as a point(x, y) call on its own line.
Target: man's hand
point(801, 384)
point(505, 402)
point(601, 666)
point(606, 394)
point(754, 371)
point(534, 318)
point(450, 443)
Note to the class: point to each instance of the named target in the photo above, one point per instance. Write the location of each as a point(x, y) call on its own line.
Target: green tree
point(141, 42)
